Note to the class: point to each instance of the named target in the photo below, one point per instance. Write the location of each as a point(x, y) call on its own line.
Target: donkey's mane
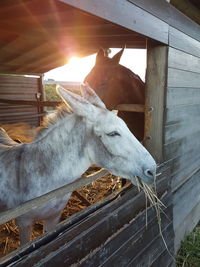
point(53, 119)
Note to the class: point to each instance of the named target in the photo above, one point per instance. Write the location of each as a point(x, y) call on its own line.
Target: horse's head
point(114, 83)
point(110, 144)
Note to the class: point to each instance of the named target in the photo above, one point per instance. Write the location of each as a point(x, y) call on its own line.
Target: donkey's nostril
point(149, 173)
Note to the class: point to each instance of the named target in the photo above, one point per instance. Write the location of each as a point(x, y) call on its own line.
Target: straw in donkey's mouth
point(151, 196)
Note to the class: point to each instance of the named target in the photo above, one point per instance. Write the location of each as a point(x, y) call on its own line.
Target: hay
point(151, 196)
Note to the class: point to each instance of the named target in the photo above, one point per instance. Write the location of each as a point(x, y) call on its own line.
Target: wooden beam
point(130, 107)
point(121, 107)
point(31, 103)
point(156, 79)
point(169, 14)
point(57, 193)
point(125, 14)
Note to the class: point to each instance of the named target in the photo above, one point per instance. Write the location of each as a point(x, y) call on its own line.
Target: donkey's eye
point(115, 133)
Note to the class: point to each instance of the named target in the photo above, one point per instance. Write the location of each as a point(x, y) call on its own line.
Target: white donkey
point(70, 141)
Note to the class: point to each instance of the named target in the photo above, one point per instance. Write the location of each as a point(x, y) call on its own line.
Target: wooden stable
point(113, 232)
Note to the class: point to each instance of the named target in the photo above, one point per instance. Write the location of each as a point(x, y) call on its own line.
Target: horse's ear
point(80, 106)
point(100, 56)
point(89, 94)
point(116, 58)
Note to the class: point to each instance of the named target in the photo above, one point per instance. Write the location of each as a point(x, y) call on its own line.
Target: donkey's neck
point(63, 149)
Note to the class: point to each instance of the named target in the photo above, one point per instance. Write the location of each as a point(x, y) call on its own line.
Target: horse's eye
point(115, 133)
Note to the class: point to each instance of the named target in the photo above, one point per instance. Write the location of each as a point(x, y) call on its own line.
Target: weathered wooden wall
point(19, 88)
point(182, 130)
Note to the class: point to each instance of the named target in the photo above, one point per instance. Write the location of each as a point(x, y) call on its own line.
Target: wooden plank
point(177, 114)
point(183, 61)
point(182, 96)
point(130, 107)
point(180, 78)
point(155, 88)
point(83, 238)
point(186, 226)
point(187, 168)
point(35, 203)
point(34, 103)
point(170, 15)
point(116, 245)
point(22, 115)
point(155, 249)
point(121, 12)
point(185, 199)
point(182, 146)
point(183, 42)
point(165, 259)
point(7, 79)
point(140, 249)
point(181, 129)
point(121, 107)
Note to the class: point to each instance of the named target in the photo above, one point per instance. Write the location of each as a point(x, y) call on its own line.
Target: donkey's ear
point(116, 58)
point(89, 94)
point(80, 106)
point(100, 56)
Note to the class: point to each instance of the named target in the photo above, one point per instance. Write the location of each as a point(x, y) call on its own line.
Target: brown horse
point(116, 84)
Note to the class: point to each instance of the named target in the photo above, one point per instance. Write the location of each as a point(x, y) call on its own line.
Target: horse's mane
point(52, 119)
point(130, 73)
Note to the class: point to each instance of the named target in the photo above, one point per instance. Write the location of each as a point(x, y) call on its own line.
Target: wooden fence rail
point(36, 202)
point(120, 107)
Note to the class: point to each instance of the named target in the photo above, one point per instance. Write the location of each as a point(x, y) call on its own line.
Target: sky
point(78, 68)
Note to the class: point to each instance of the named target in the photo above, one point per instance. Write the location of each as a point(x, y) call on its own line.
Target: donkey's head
point(110, 144)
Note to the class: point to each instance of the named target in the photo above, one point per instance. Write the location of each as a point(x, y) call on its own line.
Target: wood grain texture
point(180, 78)
point(155, 91)
point(177, 114)
point(183, 167)
point(181, 41)
point(81, 244)
point(181, 129)
point(170, 15)
point(182, 96)
point(182, 146)
point(185, 199)
point(183, 61)
point(125, 14)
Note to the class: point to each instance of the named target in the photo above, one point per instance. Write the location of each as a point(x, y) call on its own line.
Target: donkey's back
point(9, 181)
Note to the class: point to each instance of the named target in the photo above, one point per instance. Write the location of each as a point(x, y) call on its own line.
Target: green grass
point(189, 253)
point(50, 93)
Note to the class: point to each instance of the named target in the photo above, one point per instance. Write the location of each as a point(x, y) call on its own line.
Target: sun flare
point(76, 68)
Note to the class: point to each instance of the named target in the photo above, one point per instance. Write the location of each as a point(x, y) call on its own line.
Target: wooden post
point(156, 77)
point(41, 98)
